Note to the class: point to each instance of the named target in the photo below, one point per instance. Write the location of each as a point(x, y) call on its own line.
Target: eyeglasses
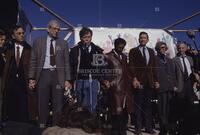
point(162, 47)
point(20, 33)
point(56, 28)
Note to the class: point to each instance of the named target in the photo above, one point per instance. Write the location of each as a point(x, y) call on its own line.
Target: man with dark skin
point(118, 84)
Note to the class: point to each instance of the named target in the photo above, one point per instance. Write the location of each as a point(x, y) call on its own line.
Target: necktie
point(185, 73)
point(144, 55)
point(87, 49)
point(18, 56)
point(120, 56)
point(52, 54)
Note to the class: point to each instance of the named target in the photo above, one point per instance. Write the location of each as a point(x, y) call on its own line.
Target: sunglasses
point(162, 47)
point(20, 33)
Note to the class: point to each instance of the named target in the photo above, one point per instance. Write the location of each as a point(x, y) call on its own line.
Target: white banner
point(104, 37)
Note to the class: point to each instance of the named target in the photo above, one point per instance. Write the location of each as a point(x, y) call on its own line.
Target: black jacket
point(75, 55)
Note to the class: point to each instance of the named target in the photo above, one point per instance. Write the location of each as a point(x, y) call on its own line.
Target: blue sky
point(127, 13)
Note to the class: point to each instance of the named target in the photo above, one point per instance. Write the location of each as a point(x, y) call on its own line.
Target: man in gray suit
point(49, 72)
point(184, 95)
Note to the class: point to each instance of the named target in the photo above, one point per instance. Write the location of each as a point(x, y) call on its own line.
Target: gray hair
point(53, 22)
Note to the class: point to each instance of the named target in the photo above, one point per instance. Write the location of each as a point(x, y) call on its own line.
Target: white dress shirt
point(188, 66)
point(146, 53)
point(20, 50)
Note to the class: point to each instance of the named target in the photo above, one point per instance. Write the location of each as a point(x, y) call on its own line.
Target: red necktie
point(52, 54)
point(18, 56)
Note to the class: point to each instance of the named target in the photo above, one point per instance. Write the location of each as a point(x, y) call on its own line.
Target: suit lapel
point(140, 55)
point(117, 56)
point(190, 61)
point(179, 63)
point(57, 46)
point(43, 48)
point(22, 56)
point(139, 52)
point(11, 56)
point(150, 56)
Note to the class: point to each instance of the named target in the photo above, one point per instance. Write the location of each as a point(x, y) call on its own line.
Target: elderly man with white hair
point(49, 72)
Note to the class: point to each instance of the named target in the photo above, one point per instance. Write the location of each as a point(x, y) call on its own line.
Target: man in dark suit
point(49, 72)
point(142, 64)
point(15, 100)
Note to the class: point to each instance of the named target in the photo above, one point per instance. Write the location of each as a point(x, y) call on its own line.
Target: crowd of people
point(34, 80)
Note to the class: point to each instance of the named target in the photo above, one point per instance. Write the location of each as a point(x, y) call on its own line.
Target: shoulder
point(74, 48)
point(150, 50)
point(190, 59)
point(26, 45)
point(176, 59)
point(61, 41)
point(111, 53)
point(134, 49)
point(169, 59)
point(40, 38)
point(97, 48)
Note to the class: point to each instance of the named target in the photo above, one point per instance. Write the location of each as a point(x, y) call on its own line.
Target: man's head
point(86, 35)
point(18, 34)
point(53, 28)
point(161, 47)
point(2, 38)
point(143, 38)
point(181, 48)
point(119, 44)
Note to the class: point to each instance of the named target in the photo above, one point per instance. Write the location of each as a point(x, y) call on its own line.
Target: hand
point(106, 84)
point(157, 85)
point(136, 83)
point(31, 84)
point(197, 77)
point(68, 85)
point(175, 89)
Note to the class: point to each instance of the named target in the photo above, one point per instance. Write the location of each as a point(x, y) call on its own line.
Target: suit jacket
point(144, 73)
point(38, 58)
point(179, 71)
point(120, 90)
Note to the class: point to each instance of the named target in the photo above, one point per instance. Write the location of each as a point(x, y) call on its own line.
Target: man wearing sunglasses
point(15, 100)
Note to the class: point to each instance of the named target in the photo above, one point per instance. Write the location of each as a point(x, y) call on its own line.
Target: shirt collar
point(49, 38)
point(142, 46)
point(20, 45)
point(183, 56)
